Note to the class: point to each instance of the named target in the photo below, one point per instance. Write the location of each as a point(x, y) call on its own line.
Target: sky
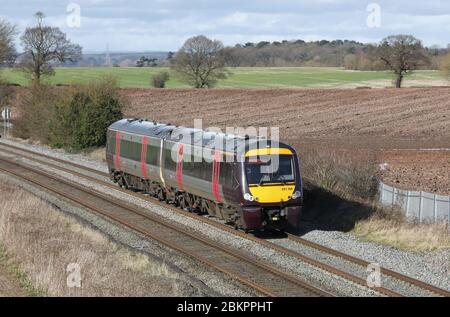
point(163, 25)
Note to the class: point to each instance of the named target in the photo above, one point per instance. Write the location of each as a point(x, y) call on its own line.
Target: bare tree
point(402, 54)
point(445, 66)
point(200, 62)
point(7, 50)
point(43, 46)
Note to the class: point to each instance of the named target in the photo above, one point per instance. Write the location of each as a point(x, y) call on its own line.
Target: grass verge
point(418, 237)
point(41, 243)
point(341, 195)
point(20, 277)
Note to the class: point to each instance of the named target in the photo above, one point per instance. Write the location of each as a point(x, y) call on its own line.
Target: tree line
point(338, 53)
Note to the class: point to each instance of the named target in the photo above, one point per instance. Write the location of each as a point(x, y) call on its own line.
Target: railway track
point(262, 277)
point(325, 250)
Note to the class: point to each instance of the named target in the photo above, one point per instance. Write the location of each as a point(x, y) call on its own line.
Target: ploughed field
point(387, 121)
point(427, 170)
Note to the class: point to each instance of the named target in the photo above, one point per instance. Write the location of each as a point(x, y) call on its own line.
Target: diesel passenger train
point(252, 183)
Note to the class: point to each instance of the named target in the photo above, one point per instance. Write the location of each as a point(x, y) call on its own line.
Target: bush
point(82, 119)
point(159, 80)
point(74, 117)
point(35, 111)
point(340, 173)
point(6, 93)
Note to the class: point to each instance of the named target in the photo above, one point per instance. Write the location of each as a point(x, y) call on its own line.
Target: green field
point(283, 77)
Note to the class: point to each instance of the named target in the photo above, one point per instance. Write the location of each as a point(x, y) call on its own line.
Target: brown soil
point(387, 121)
point(418, 170)
point(410, 113)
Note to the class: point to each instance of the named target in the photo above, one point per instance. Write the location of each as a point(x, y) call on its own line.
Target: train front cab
point(272, 191)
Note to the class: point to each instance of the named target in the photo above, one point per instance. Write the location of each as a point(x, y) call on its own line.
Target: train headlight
point(249, 197)
point(297, 195)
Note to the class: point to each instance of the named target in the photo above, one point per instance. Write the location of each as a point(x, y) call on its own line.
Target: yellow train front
point(272, 195)
point(252, 183)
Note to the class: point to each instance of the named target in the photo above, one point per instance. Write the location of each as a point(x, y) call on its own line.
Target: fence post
point(435, 208)
point(407, 203)
point(393, 196)
point(421, 207)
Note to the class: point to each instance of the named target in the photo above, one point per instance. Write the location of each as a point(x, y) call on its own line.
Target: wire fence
point(418, 206)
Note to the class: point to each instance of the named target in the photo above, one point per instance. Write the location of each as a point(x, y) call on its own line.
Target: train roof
point(186, 135)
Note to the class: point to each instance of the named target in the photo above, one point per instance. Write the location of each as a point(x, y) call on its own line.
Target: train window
point(206, 169)
point(170, 164)
point(136, 148)
point(112, 142)
point(124, 152)
point(195, 167)
point(188, 165)
point(226, 174)
point(130, 150)
point(152, 155)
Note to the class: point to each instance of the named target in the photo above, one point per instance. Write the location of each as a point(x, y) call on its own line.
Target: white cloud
point(165, 24)
point(237, 18)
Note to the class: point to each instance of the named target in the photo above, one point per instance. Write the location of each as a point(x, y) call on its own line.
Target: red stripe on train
point(144, 157)
point(216, 177)
point(180, 167)
point(118, 136)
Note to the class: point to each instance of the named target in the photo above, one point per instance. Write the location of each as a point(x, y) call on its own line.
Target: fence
point(419, 206)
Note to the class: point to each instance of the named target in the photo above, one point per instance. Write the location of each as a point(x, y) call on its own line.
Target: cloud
point(165, 24)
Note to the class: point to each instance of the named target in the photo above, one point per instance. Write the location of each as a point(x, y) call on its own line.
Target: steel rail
point(310, 244)
point(364, 263)
point(286, 277)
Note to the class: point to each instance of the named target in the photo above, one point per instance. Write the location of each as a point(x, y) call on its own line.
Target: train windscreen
point(270, 169)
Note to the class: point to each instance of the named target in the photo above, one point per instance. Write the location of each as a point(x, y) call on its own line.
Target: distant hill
point(125, 59)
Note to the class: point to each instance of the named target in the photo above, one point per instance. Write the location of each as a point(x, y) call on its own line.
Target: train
point(252, 183)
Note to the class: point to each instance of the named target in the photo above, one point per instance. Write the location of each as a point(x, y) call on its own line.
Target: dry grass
point(403, 235)
point(344, 198)
point(98, 154)
point(13, 281)
point(389, 226)
point(44, 242)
